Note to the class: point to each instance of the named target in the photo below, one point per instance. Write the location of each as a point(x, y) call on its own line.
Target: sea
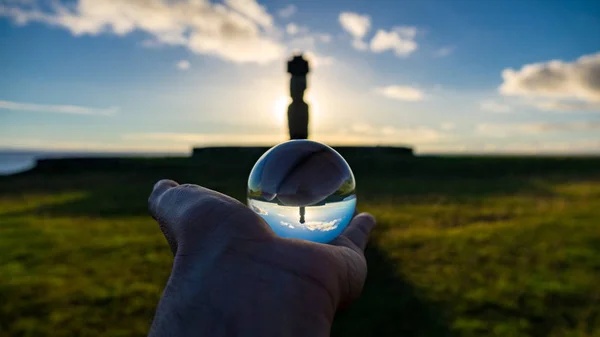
point(17, 161)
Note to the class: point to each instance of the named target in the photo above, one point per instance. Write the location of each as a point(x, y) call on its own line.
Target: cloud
point(444, 51)
point(302, 43)
point(401, 93)
point(322, 226)
point(568, 147)
point(577, 82)
point(287, 224)
point(252, 10)
point(259, 210)
point(421, 134)
point(399, 39)
point(62, 109)
point(287, 11)
point(540, 104)
point(183, 65)
point(494, 106)
point(83, 145)
point(505, 130)
point(360, 45)
point(317, 61)
point(293, 29)
point(325, 38)
point(565, 105)
point(357, 25)
point(206, 138)
point(237, 31)
point(351, 135)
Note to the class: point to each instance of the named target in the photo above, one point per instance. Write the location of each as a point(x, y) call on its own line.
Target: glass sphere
point(304, 190)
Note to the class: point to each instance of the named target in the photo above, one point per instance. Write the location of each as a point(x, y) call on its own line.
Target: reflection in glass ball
point(304, 190)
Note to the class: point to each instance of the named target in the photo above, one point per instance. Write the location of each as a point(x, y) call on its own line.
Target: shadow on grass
point(389, 306)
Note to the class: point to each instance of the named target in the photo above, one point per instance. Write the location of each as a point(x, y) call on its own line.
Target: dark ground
point(465, 246)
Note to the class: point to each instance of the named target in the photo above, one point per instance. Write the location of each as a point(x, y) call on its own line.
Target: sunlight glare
point(280, 109)
point(314, 105)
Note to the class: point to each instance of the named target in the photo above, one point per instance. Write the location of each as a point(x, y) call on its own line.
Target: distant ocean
point(15, 161)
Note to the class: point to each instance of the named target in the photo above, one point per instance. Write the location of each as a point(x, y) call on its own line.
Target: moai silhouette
point(298, 110)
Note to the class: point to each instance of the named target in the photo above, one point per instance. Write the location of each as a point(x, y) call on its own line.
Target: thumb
point(357, 232)
point(153, 201)
point(157, 192)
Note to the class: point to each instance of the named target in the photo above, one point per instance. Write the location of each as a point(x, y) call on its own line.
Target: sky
point(165, 75)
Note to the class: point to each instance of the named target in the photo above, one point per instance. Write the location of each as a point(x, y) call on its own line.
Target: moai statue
point(298, 109)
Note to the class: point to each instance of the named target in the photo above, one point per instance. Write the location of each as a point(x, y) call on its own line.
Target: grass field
point(465, 246)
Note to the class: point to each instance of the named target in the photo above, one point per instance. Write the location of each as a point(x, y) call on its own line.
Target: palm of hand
point(228, 260)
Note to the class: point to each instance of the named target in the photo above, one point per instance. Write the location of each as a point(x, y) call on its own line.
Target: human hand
point(232, 275)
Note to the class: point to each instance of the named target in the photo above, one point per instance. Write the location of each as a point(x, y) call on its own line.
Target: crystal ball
point(303, 189)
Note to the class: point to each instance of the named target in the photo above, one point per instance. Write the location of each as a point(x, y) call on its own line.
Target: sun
point(280, 109)
point(281, 104)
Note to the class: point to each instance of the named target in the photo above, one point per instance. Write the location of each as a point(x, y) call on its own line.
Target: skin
point(232, 276)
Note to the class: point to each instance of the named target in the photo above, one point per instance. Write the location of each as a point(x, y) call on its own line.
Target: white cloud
point(565, 105)
point(183, 65)
point(293, 29)
point(237, 31)
point(566, 147)
point(576, 82)
point(421, 134)
point(322, 226)
point(317, 60)
point(287, 11)
point(301, 44)
point(352, 135)
point(259, 210)
point(325, 38)
point(252, 10)
point(444, 51)
point(207, 138)
point(505, 130)
point(400, 40)
point(63, 109)
point(360, 45)
point(401, 93)
point(357, 25)
point(494, 106)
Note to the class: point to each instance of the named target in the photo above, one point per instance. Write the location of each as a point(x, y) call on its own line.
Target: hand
point(232, 275)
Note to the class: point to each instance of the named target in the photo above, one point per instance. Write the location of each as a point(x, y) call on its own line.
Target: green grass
point(465, 246)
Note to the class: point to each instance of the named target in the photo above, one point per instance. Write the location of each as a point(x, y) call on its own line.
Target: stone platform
point(343, 150)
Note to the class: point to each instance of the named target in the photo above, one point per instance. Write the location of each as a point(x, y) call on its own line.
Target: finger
point(157, 192)
point(160, 188)
point(358, 231)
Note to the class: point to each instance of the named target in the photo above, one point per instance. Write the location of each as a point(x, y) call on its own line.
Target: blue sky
point(163, 75)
